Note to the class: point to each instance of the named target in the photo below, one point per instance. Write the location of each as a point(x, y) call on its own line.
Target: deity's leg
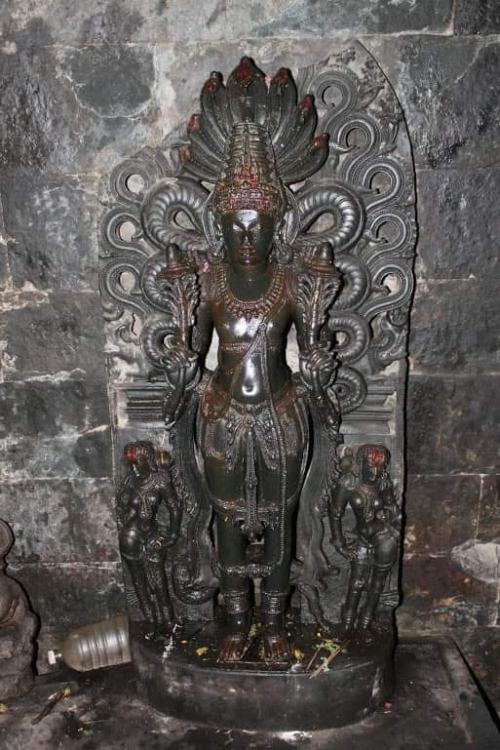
point(163, 605)
point(282, 485)
point(372, 597)
point(275, 588)
point(225, 475)
point(140, 582)
point(385, 551)
point(358, 578)
point(235, 589)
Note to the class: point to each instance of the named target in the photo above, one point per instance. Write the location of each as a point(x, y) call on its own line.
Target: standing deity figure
point(144, 539)
point(365, 486)
point(252, 427)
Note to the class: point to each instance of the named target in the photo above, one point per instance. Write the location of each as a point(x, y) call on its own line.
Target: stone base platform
point(436, 704)
point(306, 695)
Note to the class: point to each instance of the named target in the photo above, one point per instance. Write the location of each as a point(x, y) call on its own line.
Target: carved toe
point(276, 648)
point(233, 647)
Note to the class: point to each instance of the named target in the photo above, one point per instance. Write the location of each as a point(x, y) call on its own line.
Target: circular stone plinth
point(181, 678)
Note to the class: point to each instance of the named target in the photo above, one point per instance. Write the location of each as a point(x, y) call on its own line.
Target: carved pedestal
point(184, 680)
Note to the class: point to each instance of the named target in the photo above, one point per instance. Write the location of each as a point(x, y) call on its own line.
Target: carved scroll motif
point(369, 155)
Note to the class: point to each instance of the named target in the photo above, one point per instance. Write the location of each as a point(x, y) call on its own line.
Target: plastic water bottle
point(102, 644)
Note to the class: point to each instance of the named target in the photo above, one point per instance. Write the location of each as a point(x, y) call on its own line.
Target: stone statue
point(252, 427)
point(18, 626)
point(282, 213)
point(365, 486)
point(144, 540)
point(252, 430)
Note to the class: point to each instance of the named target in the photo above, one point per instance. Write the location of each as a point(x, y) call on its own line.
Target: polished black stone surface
point(308, 694)
point(74, 83)
point(436, 705)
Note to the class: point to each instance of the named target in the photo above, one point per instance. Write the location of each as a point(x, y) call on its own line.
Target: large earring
point(282, 250)
point(213, 232)
point(287, 230)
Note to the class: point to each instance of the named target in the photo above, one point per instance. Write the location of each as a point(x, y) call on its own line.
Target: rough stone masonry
point(82, 87)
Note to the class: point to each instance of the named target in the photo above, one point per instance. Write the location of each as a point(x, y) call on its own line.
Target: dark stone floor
point(436, 705)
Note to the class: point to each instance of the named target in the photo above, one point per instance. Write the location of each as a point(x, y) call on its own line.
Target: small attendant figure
point(366, 487)
point(144, 541)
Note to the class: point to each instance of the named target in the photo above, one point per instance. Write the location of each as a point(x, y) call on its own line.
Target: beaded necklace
point(248, 309)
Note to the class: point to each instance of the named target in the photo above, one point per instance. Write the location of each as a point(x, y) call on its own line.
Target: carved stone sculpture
point(18, 626)
point(144, 539)
point(365, 486)
point(275, 212)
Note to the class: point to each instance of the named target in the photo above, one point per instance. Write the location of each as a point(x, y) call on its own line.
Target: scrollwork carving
point(160, 215)
point(367, 155)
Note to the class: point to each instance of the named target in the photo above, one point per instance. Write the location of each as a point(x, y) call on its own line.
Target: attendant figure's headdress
point(376, 455)
point(252, 138)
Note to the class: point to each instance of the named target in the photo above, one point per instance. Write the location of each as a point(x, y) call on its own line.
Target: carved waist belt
point(216, 402)
point(241, 349)
point(238, 512)
point(245, 435)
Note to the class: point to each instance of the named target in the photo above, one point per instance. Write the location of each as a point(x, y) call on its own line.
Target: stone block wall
point(84, 85)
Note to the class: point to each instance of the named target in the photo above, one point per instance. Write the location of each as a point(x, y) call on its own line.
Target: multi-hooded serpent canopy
point(342, 156)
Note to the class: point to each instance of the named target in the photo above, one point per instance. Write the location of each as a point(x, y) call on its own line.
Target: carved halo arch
point(365, 186)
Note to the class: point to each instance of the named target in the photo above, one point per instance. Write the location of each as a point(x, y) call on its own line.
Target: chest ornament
point(249, 309)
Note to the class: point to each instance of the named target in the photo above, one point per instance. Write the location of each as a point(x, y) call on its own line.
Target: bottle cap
point(53, 657)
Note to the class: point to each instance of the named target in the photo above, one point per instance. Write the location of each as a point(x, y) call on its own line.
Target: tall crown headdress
point(251, 139)
point(249, 144)
point(248, 178)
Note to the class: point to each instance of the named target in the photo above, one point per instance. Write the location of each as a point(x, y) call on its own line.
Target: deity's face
point(373, 465)
point(141, 467)
point(139, 458)
point(248, 236)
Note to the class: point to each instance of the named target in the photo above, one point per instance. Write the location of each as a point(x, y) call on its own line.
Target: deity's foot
point(346, 629)
point(233, 647)
point(276, 647)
